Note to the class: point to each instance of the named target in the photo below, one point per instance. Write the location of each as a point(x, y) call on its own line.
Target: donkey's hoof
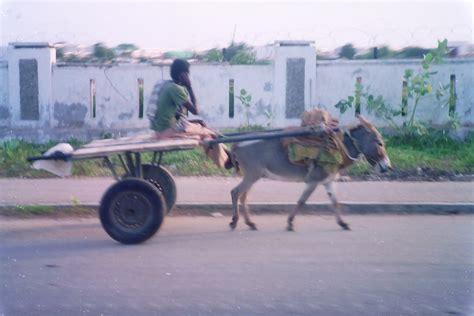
point(252, 226)
point(233, 225)
point(344, 225)
point(290, 227)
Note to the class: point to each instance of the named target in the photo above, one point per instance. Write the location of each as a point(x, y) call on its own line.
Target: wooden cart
point(132, 209)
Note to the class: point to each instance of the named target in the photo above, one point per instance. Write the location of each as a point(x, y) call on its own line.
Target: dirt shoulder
point(421, 174)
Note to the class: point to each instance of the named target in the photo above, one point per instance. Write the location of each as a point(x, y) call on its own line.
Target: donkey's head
point(369, 142)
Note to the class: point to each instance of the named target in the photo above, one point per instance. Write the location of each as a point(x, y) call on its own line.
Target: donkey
point(267, 158)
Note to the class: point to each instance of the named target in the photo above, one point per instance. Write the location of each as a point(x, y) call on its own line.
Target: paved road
point(387, 265)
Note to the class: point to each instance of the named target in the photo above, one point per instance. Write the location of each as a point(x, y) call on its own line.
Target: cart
point(133, 208)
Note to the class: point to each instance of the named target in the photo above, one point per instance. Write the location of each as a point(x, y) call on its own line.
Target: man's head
point(178, 67)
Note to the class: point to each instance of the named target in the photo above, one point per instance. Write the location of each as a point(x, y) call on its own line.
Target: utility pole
point(233, 36)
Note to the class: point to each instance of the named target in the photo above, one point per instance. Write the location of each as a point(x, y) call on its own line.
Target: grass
point(440, 154)
point(46, 210)
point(192, 163)
point(406, 154)
point(437, 155)
point(25, 210)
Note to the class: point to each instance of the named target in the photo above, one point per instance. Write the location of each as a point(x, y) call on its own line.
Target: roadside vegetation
point(429, 156)
point(47, 210)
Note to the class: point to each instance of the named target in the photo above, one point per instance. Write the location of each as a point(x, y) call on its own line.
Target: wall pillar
point(294, 80)
point(30, 83)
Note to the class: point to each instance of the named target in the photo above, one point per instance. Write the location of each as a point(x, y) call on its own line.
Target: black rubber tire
point(132, 210)
point(164, 181)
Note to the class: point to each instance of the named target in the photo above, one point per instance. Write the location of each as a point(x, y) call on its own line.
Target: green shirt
point(169, 105)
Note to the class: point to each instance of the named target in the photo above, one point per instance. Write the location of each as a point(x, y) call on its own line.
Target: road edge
point(196, 209)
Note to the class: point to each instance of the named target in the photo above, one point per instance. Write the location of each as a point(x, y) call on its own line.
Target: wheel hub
point(131, 209)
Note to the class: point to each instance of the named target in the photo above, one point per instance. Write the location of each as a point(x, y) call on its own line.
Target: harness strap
point(354, 144)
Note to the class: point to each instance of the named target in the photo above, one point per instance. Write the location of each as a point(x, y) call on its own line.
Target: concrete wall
point(66, 102)
point(117, 93)
point(118, 101)
point(116, 96)
point(336, 80)
point(212, 90)
point(5, 110)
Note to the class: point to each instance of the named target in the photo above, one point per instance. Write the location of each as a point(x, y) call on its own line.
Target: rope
point(354, 142)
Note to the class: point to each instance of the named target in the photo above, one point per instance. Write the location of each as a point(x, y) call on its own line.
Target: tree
point(179, 54)
point(125, 49)
point(239, 54)
point(243, 57)
point(72, 58)
point(214, 55)
point(384, 52)
point(102, 52)
point(412, 52)
point(59, 53)
point(235, 54)
point(347, 51)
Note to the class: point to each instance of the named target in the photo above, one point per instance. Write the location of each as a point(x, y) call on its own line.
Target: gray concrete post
point(294, 80)
point(30, 83)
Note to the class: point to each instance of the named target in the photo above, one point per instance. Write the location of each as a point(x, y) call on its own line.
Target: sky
point(199, 25)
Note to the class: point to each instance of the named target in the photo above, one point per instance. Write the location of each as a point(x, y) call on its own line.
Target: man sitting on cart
point(173, 101)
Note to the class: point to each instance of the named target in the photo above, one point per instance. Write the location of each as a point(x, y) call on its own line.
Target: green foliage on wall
point(417, 86)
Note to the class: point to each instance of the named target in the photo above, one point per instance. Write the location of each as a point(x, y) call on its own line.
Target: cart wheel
point(163, 180)
point(132, 210)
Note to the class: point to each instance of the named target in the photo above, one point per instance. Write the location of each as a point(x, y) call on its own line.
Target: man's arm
point(191, 105)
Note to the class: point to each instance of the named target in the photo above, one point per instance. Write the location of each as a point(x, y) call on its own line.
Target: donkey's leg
point(337, 206)
point(242, 188)
point(310, 187)
point(245, 211)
